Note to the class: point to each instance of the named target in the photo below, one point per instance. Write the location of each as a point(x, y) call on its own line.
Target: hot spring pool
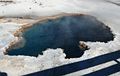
point(65, 33)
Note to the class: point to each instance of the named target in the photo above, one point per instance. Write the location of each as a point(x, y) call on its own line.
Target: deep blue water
point(65, 33)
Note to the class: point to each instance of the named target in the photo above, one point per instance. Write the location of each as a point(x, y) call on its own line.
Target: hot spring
point(64, 32)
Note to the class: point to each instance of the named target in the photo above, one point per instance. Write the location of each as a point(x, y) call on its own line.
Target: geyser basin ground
point(65, 33)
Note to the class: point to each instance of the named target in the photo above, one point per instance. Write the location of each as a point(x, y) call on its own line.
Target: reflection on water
point(65, 33)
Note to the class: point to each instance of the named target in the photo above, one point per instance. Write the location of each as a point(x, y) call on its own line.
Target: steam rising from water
point(65, 33)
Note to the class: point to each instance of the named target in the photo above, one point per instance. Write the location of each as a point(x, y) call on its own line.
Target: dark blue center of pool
point(65, 33)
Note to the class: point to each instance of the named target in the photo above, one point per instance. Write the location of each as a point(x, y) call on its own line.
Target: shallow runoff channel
point(64, 32)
